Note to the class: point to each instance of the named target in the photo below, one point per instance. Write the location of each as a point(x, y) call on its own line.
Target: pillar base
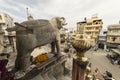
point(79, 69)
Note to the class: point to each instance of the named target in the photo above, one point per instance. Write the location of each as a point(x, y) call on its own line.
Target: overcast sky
point(73, 10)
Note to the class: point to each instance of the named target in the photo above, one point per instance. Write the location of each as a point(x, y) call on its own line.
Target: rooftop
point(93, 19)
point(114, 26)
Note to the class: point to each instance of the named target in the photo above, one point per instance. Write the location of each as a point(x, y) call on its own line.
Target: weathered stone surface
point(34, 33)
point(38, 77)
point(48, 72)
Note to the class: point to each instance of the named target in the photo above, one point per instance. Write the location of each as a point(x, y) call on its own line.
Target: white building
point(5, 22)
point(102, 38)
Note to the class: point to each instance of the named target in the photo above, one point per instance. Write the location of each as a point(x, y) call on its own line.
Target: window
point(0, 17)
point(96, 32)
point(88, 33)
point(89, 23)
point(81, 37)
point(115, 31)
point(108, 38)
point(71, 31)
point(89, 28)
point(96, 28)
point(114, 38)
point(105, 32)
point(96, 22)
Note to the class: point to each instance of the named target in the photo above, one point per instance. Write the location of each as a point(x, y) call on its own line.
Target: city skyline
point(73, 11)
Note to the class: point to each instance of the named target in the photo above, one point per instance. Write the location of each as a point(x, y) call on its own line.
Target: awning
point(112, 45)
point(117, 51)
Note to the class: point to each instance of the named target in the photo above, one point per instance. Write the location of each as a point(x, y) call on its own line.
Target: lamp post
point(79, 60)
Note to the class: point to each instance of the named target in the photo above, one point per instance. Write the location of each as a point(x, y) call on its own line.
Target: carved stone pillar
point(79, 60)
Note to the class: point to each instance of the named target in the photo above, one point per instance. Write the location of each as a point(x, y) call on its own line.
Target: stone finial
point(81, 46)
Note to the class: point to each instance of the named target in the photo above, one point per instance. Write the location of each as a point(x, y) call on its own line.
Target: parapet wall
point(53, 69)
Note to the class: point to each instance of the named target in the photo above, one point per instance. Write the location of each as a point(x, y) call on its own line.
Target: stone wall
point(51, 71)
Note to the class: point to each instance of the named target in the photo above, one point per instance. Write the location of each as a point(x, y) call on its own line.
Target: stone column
point(79, 60)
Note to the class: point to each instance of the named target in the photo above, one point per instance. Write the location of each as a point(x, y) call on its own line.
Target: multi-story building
point(5, 22)
point(102, 38)
point(63, 34)
point(113, 36)
point(90, 28)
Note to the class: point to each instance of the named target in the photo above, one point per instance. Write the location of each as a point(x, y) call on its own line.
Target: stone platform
point(52, 69)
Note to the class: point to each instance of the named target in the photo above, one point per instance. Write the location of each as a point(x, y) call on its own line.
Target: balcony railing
point(110, 41)
point(113, 34)
point(92, 30)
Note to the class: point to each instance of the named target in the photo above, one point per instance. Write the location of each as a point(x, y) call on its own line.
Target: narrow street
point(99, 60)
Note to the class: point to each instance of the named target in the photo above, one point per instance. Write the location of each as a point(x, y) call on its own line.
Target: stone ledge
point(44, 67)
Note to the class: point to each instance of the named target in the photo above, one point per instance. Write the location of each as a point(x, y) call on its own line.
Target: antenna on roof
point(27, 12)
point(29, 16)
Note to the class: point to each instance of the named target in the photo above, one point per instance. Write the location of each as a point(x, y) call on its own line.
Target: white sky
point(73, 10)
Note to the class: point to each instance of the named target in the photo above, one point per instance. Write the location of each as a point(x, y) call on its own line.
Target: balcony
point(94, 25)
point(114, 42)
point(113, 34)
point(2, 22)
point(91, 30)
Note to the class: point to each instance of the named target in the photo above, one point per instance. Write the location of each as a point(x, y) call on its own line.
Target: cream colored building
point(5, 22)
point(90, 28)
point(113, 36)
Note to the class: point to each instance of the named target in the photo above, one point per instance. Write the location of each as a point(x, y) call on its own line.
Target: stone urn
point(81, 46)
point(79, 60)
